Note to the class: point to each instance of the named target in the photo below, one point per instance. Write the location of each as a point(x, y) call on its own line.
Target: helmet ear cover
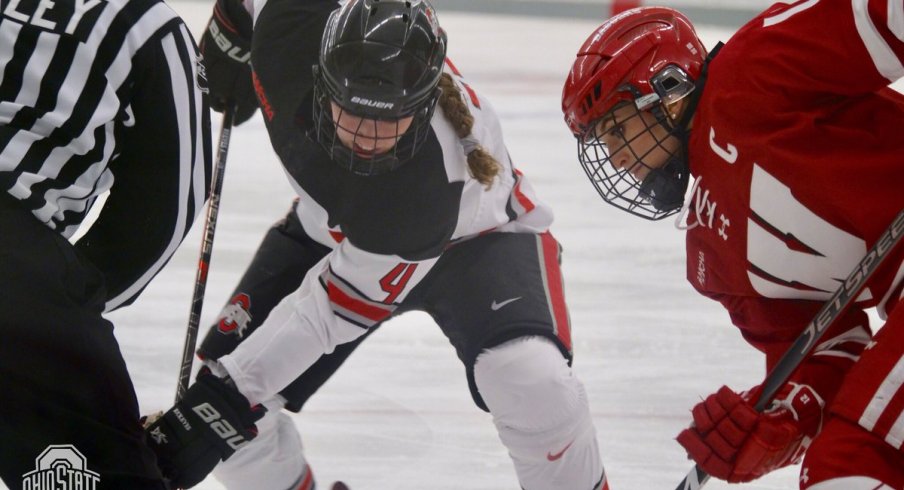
point(670, 85)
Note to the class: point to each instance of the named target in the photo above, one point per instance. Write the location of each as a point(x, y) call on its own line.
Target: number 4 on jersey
point(395, 281)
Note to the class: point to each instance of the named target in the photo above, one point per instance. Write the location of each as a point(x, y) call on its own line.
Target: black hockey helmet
point(380, 60)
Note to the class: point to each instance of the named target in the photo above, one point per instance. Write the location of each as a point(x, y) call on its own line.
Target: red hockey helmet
point(617, 101)
point(627, 58)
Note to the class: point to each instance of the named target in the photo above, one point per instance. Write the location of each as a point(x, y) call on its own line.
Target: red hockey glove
point(733, 442)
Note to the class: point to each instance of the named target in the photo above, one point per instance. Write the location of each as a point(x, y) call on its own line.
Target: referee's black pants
point(65, 395)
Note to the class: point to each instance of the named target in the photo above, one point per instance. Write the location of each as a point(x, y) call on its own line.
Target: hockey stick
point(210, 225)
point(830, 311)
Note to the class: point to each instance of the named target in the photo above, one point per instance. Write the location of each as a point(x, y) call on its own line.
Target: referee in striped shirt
point(95, 96)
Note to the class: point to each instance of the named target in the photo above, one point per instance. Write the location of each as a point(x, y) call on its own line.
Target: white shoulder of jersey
point(509, 204)
point(486, 132)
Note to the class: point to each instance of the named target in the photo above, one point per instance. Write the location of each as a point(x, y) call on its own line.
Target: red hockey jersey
point(797, 151)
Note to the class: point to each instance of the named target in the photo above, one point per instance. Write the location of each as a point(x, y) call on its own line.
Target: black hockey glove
point(226, 48)
point(207, 425)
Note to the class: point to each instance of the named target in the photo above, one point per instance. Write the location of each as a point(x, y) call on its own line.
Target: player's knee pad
point(274, 459)
point(541, 413)
point(534, 397)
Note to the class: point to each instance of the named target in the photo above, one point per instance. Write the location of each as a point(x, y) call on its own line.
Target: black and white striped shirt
point(104, 95)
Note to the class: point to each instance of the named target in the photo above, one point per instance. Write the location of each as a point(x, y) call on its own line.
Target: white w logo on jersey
point(776, 267)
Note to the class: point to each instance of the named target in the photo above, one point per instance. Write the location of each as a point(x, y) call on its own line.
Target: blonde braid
point(481, 164)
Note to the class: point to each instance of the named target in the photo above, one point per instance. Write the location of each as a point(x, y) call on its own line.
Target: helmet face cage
point(660, 193)
point(380, 61)
point(407, 144)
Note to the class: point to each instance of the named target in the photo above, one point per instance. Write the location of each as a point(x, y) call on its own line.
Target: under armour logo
point(723, 230)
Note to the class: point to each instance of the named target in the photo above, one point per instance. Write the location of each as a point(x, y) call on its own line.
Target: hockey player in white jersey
point(408, 200)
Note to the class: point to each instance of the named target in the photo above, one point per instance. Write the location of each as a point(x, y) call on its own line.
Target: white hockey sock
point(541, 413)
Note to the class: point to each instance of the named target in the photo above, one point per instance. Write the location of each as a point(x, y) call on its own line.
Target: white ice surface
point(398, 415)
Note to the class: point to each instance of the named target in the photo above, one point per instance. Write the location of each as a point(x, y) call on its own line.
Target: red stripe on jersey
point(603, 484)
point(523, 200)
point(873, 391)
point(894, 409)
point(367, 310)
point(556, 288)
point(452, 67)
point(471, 93)
point(308, 482)
point(893, 433)
point(337, 235)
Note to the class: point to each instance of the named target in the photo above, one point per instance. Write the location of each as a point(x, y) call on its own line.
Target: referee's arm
point(162, 171)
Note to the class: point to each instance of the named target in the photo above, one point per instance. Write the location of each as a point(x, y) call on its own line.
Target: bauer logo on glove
point(239, 53)
point(206, 426)
point(220, 426)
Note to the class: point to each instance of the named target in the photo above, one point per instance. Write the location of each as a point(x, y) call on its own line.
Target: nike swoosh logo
point(495, 306)
point(558, 455)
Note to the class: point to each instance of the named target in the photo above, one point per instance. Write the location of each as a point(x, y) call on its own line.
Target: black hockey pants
point(68, 411)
